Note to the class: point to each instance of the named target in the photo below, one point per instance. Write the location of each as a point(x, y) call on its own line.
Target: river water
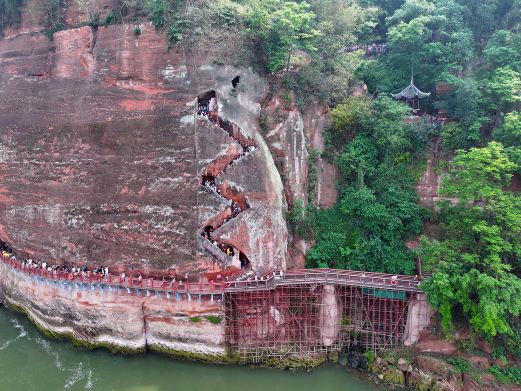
point(29, 361)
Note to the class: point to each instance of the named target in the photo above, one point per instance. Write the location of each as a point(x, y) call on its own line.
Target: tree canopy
point(477, 258)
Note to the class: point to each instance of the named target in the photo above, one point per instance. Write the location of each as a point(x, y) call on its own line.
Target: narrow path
point(268, 282)
point(207, 110)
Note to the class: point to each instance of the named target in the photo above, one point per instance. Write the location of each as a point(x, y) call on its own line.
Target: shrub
point(370, 356)
point(507, 374)
point(300, 220)
point(10, 14)
point(157, 13)
point(174, 33)
point(225, 15)
point(109, 19)
point(461, 365)
point(195, 319)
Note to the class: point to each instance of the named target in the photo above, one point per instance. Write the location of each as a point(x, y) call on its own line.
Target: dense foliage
point(469, 49)
point(378, 205)
point(477, 258)
point(473, 50)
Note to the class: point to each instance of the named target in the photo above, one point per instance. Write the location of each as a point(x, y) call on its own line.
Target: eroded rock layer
point(101, 155)
point(121, 320)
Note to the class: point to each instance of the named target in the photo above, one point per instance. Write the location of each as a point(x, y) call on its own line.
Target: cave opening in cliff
point(208, 230)
point(245, 262)
point(207, 105)
point(5, 247)
point(235, 81)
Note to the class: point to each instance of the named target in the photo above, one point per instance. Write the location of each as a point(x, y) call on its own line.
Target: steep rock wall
point(316, 119)
point(291, 135)
point(260, 231)
point(120, 320)
point(100, 159)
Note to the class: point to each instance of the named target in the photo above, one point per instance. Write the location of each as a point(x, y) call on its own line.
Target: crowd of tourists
point(103, 271)
point(84, 271)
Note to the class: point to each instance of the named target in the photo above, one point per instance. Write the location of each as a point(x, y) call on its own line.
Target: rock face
point(101, 159)
point(330, 315)
point(418, 318)
point(118, 319)
point(315, 121)
point(290, 135)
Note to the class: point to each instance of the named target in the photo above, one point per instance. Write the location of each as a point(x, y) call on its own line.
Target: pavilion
point(412, 95)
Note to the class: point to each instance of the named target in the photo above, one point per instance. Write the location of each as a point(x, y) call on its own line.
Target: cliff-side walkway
point(302, 313)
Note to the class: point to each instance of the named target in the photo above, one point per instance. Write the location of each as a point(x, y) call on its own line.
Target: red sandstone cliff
point(101, 159)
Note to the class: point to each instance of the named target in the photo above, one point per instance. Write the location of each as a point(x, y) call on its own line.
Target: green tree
point(390, 132)
point(503, 89)
point(463, 104)
point(348, 118)
point(280, 27)
point(409, 37)
point(477, 256)
point(479, 174)
point(334, 239)
point(411, 10)
point(378, 204)
point(509, 134)
point(359, 158)
point(504, 49)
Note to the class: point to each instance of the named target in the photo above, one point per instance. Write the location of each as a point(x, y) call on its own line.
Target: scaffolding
point(298, 313)
point(308, 319)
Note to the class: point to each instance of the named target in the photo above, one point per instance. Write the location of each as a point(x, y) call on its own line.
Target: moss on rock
point(194, 356)
point(420, 381)
point(393, 376)
point(294, 363)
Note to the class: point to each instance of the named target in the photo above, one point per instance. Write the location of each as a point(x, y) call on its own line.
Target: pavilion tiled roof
point(410, 92)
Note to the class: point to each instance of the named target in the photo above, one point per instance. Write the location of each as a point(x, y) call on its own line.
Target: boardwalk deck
point(294, 313)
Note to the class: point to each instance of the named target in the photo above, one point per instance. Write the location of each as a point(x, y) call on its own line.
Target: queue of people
point(208, 109)
point(84, 271)
point(75, 271)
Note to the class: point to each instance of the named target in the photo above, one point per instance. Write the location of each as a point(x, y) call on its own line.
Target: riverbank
point(398, 367)
point(423, 371)
point(29, 361)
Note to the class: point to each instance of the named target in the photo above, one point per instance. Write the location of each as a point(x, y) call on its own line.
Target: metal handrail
point(306, 276)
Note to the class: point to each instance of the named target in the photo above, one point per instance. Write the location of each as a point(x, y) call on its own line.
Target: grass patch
point(463, 366)
point(214, 319)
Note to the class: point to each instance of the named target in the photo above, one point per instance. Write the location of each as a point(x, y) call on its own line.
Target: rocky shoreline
point(426, 371)
point(394, 368)
point(118, 320)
